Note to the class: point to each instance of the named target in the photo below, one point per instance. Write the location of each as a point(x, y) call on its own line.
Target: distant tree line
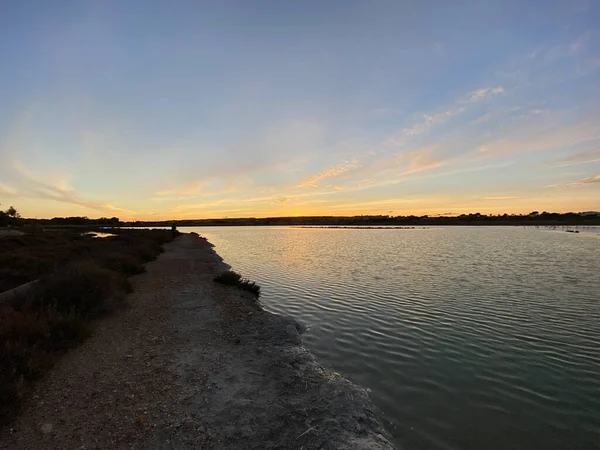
point(11, 217)
point(78, 220)
point(534, 218)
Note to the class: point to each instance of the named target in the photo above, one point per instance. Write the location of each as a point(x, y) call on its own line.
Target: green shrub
point(232, 278)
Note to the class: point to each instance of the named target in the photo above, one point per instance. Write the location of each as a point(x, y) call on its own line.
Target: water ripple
point(467, 337)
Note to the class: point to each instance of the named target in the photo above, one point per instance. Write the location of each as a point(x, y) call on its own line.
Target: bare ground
point(6, 232)
point(194, 364)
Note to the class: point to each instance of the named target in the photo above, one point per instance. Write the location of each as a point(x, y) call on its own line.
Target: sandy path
point(193, 364)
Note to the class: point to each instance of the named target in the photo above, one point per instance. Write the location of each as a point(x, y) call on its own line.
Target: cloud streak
point(420, 159)
point(7, 190)
point(585, 157)
point(313, 181)
point(500, 197)
point(584, 181)
point(37, 189)
point(482, 94)
point(428, 121)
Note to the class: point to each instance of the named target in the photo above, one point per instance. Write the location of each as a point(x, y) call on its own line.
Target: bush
point(80, 278)
point(232, 278)
point(147, 252)
point(29, 340)
point(82, 288)
point(22, 356)
point(67, 331)
point(122, 263)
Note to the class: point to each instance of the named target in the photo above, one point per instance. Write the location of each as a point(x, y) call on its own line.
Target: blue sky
point(193, 109)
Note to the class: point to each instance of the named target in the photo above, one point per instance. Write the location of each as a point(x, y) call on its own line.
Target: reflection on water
point(98, 234)
point(470, 337)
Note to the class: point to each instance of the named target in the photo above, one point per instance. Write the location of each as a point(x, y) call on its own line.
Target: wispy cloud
point(420, 159)
point(430, 120)
point(7, 190)
point(500, 197)
point(586, 157)
point(584, 181)
point(581, 182)
point(481, 94)
point(461, 105)
point(543, 134)
point(38, 189)
point(327, 173)
point(277, 151)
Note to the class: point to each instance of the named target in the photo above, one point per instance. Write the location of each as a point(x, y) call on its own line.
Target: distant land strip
point(533, 219)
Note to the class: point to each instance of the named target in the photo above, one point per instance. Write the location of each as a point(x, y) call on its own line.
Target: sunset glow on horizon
point(190, 110)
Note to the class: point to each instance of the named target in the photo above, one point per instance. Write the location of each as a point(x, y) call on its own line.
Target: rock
point(293, 334)
point(189, 423)
point(46, 428)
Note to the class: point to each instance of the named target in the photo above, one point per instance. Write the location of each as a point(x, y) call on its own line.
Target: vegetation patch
point(232, 278)
point(84, 288)
point(81, 278)
point(29, 257)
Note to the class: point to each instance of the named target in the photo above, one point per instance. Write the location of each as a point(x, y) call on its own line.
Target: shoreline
point(194, 364)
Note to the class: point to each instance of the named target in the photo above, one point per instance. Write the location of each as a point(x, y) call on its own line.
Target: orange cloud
point(420, 159)
point(327, 173)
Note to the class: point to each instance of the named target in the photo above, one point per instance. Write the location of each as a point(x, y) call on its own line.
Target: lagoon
point(467, 337)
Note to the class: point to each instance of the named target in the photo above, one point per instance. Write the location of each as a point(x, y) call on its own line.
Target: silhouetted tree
point(12, 212)
point(9, 217)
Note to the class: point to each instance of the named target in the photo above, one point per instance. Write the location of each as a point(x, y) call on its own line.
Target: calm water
point(468, 338)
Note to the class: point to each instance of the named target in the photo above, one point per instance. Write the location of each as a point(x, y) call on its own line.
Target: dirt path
point(193, 364)
point(8, 232)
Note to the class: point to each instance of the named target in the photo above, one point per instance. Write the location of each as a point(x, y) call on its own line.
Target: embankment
point(194, 364)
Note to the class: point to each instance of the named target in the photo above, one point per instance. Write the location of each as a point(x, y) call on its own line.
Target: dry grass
point(232, 278)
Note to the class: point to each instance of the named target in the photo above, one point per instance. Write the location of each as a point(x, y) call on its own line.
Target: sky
point(204, 109)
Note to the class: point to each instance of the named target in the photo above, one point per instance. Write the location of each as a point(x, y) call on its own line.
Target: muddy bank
point(194, 364)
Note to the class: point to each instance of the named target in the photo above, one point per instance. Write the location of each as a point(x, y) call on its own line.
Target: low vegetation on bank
point(232, 278)
point(79, 279)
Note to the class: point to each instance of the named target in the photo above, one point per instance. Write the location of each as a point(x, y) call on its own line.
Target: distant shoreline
point(371, 226)
point(544, 219)
point(425, 225)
